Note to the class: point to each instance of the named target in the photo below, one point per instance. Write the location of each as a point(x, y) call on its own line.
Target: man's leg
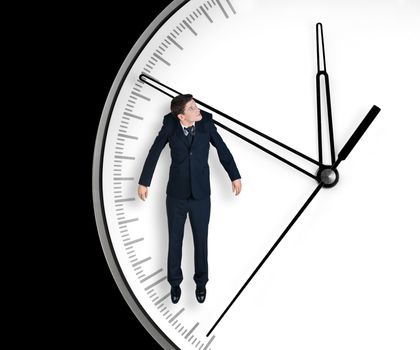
point(176, 210)
point(199, 217)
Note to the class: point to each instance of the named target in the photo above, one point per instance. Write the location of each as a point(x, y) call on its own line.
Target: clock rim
point(97, 166)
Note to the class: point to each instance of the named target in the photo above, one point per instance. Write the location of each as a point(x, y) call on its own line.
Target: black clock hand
point(299, 213)
point(342, 155)
point(264, 149)
point(322, 72)
point(357, 134)
point(144, 78)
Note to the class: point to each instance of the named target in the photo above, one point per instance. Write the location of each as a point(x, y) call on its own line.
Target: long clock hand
point(299, 213)
point(145, 79)
point(265, 149)
point(325, 181)
point(322, 72)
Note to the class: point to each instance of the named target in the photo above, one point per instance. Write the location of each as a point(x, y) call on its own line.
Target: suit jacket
point(189, 170)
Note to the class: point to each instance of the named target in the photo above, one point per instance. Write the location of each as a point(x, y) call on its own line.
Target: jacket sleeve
point(225, 157)
point(154, 153)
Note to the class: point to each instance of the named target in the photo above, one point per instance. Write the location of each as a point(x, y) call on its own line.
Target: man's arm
point(225, 157)
point(152, 158)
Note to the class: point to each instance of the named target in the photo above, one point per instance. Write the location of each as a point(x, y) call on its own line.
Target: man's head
point(184, 108)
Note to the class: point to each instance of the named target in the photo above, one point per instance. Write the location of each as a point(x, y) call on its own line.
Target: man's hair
point(178, 104)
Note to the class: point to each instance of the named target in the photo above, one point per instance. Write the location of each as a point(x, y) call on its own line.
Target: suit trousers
point(198, 211)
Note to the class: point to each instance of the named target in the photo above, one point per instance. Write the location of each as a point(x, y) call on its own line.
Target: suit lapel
point(197, 132)
point(179, 132)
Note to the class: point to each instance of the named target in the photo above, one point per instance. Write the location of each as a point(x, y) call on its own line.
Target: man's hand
point(142, 191)
point(236, 186)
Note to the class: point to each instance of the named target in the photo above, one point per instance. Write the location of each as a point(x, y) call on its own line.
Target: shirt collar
point(182, 126)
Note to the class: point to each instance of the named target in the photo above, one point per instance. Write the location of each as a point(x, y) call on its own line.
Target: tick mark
point(231, 7)
point(124, 200)
point(175, 43)
point(206, 14)
point(127, 221)
point(123, 178)
point(162, 299)
point(189, 27)
point(131, 243)
point(124, 157)
point(151, 275)
point(176, 315)
point(155, 283)
point(133, 115)
point(128, 136)
point(209, 342)
point(141, 96)
point(221, 7)
point(161, 59)
point(192, 330)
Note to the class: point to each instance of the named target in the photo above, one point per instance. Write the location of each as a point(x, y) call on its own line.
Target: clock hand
point(265, 149)
point(322, 72)
point(329, 175)
point(342, 155)
point(299, 213)
point(144, 78)
point(357, 134)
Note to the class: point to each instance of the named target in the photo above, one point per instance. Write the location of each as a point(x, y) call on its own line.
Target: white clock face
point(346, 275)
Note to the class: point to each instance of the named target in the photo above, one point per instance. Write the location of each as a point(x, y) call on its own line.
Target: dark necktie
point(189, 132)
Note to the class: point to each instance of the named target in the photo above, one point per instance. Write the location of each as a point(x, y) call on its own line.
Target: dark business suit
point(188, 189)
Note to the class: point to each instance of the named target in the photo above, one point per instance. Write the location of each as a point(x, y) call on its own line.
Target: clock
point(292, 86)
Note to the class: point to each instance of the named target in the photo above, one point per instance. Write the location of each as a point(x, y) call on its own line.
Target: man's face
point(191, 113)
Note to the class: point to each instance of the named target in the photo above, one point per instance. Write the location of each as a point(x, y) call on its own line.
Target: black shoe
point(200, 294)
point(175, 294)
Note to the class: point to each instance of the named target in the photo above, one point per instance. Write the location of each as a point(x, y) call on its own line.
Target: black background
point(94, 43)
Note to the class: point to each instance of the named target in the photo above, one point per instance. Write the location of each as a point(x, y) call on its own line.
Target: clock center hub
point(329, 177)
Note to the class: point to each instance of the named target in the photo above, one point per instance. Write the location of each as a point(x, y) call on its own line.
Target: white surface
point(346, 275)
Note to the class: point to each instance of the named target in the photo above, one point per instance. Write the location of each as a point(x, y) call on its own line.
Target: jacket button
point(190, 153)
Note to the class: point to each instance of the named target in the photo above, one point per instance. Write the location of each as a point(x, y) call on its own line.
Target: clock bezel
point(146, 321)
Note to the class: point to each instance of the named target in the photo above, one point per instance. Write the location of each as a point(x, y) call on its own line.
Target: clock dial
point(344, 277)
